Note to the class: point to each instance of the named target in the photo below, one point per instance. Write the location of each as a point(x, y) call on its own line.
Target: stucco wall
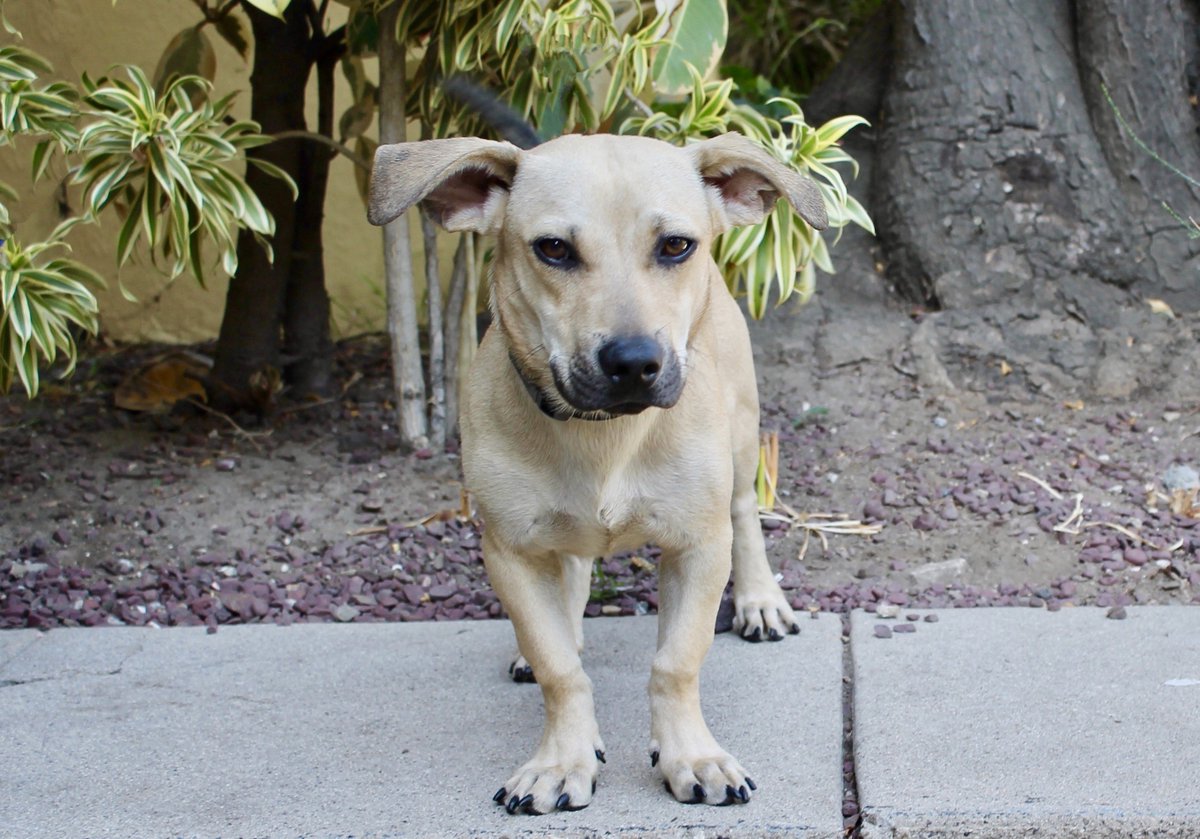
point(91, 35)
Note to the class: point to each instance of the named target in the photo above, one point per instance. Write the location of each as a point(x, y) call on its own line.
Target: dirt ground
point(990, 487)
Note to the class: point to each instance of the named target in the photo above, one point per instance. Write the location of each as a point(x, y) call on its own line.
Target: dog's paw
point(762, 613)
point(521, 672)
point(710, 776)
point(555, 779)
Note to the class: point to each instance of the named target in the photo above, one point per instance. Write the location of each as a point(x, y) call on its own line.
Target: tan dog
point(612, 404)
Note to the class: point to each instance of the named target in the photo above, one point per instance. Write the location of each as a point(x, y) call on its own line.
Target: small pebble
point(905, 627)
point(1116, 613)
point(931, 619)
point(882, 631)
point(887, 610)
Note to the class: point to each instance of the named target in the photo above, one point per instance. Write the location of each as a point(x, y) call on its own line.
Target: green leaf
point(41, 159)
point(271, 7)
point(697, 37)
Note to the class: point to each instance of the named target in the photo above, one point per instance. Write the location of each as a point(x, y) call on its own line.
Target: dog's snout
point(631, 362)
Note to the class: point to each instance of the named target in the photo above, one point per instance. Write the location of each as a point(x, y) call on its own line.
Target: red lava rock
point(423, 454)
point(1136, 556)
point(924, 521)
point(441, 591)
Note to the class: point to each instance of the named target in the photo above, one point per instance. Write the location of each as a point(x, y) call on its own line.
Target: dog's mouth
point(593, 384)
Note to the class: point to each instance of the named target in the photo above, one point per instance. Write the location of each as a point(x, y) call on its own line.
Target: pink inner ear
point(745, 189)
point(463, 191)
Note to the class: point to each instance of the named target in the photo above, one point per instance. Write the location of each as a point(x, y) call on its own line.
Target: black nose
point(631, 363)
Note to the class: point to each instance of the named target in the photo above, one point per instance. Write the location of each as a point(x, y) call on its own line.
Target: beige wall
point(91, 35)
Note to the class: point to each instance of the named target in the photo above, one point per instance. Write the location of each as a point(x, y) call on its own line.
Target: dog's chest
point(603, 515)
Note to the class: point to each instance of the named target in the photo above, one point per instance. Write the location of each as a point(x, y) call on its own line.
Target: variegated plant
point(781, 250)
point(167, 160)
point(591, 65)
point(42, 296)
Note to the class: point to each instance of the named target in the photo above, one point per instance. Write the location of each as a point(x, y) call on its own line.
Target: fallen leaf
point(159, 385)
point(1076, 405)
point(1160, 307)
point(1186, 502)
point(641, 564)
point(1005, 367)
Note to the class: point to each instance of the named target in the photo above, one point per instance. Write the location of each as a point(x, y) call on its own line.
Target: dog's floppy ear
point(749, 180)
point(463, 182)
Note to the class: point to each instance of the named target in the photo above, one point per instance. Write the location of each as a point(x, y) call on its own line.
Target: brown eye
point(675, 248)
point(555, 252)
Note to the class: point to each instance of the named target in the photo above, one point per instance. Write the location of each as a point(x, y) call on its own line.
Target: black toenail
point(525, 802)
point(750, 783)
point(742, 794)
point(730, 793)
point(564, 801)
point(600, 756)
point(773, 635)
point(654, 758)
point(755, 636)
point(795, 630)
point(499, 796)
point(698, 792)
point(512, 805)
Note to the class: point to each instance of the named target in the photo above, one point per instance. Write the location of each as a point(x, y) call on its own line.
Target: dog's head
point(602, 265)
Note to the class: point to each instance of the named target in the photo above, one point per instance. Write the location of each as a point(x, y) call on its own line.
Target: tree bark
point(407, 376)
point(998, 170)
point(247, 361)
point(308, 347)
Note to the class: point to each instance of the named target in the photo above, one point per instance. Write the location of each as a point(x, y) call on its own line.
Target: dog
point(612, 404)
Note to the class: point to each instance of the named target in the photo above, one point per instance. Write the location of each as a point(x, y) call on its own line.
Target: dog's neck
point(549, 407)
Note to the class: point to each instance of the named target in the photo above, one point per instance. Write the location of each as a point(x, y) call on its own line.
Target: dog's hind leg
point(563, 769)
point(760, 609)
point(577, 587)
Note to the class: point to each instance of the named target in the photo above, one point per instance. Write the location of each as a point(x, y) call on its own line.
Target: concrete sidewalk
point(998, 722)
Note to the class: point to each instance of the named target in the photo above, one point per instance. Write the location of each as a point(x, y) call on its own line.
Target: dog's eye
point(555, 252)
point(675, 248)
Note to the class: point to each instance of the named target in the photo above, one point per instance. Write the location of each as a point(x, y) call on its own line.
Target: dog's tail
point(492, 110)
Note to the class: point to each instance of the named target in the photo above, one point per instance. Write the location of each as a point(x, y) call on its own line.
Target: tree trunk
point(407, 376)
point(247, 363)
point(1001, 172)
point(308, 348)
point(1012, 206)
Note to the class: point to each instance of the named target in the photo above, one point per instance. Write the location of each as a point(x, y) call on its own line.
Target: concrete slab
point(386, 730)
point(1018, 722)
point(14, 641)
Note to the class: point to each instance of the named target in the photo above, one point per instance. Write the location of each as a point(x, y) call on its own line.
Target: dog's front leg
point(694, 766)
point(562, 772)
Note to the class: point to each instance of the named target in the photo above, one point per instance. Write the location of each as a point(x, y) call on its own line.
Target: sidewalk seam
point(851, 829)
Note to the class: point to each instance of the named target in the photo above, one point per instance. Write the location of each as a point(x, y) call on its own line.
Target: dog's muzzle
point(626, 375)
